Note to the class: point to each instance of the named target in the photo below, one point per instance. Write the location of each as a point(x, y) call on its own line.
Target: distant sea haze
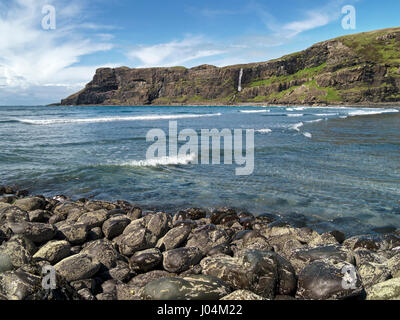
point(333, 168)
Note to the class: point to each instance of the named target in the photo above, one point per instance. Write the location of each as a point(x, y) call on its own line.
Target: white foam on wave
point(295, 115)
point(296, 126)
point(325, 114)
point(254, 111)
point(264, 131)
point(307, 135)
point(111, 119)
point(163, 161)
point(371, 112)
point(315, 121)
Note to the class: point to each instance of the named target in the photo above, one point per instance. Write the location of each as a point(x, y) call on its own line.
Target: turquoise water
point(328, 167)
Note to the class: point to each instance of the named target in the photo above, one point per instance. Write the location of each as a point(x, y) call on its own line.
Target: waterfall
point(240, 80)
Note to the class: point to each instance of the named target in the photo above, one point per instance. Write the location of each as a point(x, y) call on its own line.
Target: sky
point(50, 49)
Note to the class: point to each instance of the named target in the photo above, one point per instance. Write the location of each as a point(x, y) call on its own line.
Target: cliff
point(359, 68)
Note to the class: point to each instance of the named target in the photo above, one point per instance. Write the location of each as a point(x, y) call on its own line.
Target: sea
point(328, 168)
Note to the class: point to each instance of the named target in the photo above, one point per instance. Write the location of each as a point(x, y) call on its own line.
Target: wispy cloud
point(174, 53)
point(31, 57)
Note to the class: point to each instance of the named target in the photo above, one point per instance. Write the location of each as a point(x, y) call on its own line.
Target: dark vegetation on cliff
point(359, 68)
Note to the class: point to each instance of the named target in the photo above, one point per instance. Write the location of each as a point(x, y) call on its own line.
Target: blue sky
point(42, 66)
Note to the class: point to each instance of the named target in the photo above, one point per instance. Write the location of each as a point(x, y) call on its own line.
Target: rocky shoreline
point(117, 251)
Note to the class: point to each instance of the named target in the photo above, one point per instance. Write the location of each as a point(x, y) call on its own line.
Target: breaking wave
point(111, 119)
point(163, 161)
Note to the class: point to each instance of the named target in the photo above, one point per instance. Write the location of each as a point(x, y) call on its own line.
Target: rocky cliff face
point(360, 68)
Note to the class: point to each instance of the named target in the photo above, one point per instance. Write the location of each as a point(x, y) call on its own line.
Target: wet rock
point(142, 279)
point(39, 216)
point(31, 204)
point(393, 264)
point(19, 250)
point(8, 200)
point(373, 273)
point(5, 263)
point(195, 270)
point(99, 205)
point(255, 271)
point(106, 296)
point(103, 251)
point(373, 242)
point(174, 238)
point(224, 249)
point(134, 213)
point(143, 233)
point(74, 233)
point(135, 238)
point(94, 219)
point(302, 257)
point(53, 251)
point(78, 267)
point(84, 284)
point(206, 238)
point(181, 259)
point(69, 210)
point(251, 240)
point(18, 285)
point(121, 272)
point(388, 290)
point(95, 234)
point(22, 193)
point(247, 222)
point(191, 214)
point(198, 287)
point(159, 224)
point(328, 280)
point(114, 226)
point(190, 223)
point(36, 232)
point(56, 218)
point(366, 256)
point(218, 215)
point(13, 214)
point(86, 294)
point(146, 260)
point(245, 295)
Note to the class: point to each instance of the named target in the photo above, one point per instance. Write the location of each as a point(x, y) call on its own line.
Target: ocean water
point(328, 168)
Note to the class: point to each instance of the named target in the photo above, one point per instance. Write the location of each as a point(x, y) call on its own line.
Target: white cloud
point(32, 58)
point(174, 53)
point(314, 20)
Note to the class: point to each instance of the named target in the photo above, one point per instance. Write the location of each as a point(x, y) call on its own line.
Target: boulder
point(104, 252)
point(146, 260)
point(198, 287)
point(245, 295)
point(256, 271)
point(174, 238)
point(207, 237)
point(74, 233)
point(114, 226)
point(77, 267)
point(31, 204)
point(93, 219)
point(304, 256)
point(39, 216)
point(53, 251)
point(373, 273)
point(19, 250)
point(13, 214)
point(329, 280)
point(36, 232)
point(18, 285)
point(181, 259)
point(388, 290)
